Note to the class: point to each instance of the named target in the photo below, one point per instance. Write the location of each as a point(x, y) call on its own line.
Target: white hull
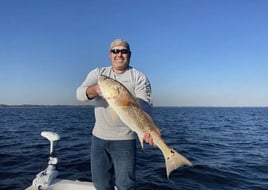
point(47, 179)
point(62, 184)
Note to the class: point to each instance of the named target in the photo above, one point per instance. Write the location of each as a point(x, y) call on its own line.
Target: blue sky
point(195, 52)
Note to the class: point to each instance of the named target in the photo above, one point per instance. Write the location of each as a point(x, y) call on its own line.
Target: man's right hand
point(93, 91)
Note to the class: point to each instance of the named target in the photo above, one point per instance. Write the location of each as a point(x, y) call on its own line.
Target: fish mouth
point(103, 77)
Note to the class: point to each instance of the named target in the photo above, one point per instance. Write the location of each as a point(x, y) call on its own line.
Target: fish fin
point(174, 160)
point(113, 114)
point(141, 140)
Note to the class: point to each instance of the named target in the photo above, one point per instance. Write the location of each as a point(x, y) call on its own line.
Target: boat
point(47, 179)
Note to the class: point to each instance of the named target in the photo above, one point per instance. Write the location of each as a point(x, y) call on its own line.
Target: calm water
point(228, 147)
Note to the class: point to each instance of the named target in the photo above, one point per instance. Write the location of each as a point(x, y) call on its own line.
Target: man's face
point(120, 58)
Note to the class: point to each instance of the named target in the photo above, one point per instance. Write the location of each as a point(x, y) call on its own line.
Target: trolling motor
point(44, 178)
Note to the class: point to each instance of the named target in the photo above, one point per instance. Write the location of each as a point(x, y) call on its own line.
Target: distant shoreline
point(90, 106)
point(39, 106)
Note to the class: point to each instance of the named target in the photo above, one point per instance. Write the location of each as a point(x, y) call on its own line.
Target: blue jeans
point(113, 159)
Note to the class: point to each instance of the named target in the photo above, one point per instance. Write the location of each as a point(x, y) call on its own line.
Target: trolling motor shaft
point(52, 137)
point(44, 178)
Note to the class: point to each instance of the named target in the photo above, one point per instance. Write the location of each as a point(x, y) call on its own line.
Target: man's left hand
point(147, 138)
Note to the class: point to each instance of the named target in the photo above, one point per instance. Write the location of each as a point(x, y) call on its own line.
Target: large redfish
point(130, 112)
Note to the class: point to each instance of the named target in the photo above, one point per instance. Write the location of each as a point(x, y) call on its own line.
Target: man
point(113, 145)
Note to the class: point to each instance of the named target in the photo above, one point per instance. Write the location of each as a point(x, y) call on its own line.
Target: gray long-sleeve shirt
point(108, 126)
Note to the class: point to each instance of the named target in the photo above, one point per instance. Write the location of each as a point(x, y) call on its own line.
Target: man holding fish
point(113, 145)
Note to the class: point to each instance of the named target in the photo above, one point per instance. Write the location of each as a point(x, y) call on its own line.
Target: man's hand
point(147, 137)
point(98, 90)
point(93, 91)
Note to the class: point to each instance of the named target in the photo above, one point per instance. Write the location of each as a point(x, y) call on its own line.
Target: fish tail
point(174, 160)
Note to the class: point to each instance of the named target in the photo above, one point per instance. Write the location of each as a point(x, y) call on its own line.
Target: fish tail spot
point(172, 154)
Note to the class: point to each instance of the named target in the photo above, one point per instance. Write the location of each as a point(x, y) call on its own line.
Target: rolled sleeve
point(91, 79)
point(81, 93)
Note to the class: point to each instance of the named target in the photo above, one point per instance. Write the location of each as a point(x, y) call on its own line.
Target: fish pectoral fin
point(174, 160)
point(114, 115)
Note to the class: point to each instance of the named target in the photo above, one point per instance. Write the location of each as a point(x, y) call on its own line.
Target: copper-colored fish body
point(129, 111)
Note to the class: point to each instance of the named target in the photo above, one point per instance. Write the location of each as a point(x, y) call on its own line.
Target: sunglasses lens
point(115, 51)
point(123, 51)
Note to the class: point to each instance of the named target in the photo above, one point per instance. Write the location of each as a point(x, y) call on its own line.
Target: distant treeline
point(36, 106)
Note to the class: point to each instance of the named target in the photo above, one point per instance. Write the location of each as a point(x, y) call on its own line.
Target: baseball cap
point(119, 42)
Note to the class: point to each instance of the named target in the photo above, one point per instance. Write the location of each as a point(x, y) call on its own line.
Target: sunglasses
point(123, 51)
